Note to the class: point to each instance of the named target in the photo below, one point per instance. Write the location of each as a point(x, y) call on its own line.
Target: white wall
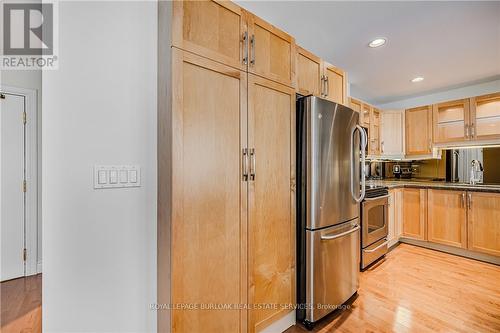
point(30, 79)
point(100, 108)
point(446, 95)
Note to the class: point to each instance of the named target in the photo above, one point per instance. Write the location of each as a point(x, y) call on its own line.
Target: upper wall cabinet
point(319, 78)
point(334, 82)
point(308, 73)
point(451, 121)
point(392, 134)
point(374, 132)
point(213, 29)
point(355, 104)
point(418, 131)
point(485, 117)
point(271, 51)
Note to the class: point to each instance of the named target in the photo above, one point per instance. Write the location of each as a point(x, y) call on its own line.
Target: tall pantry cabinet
point(226, 168)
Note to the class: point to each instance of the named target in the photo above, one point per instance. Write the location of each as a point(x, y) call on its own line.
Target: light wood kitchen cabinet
point(418, 124)
point(308, 73)
point(374, 132)
point(364, 116)
point(271, 51)
point(271, 233)
point(392, 134)
point(395, 211)
point(208, 194)
point(213, 29)
point(451, 121)
point(447, 217)
point(485, 117)
point(355, 105)
point(335, 84)
point(415, 213)
point(484, 222)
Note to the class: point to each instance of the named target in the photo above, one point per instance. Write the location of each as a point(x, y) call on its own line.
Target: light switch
point(132, 174)
point(102, 177)
point(116, 176)
point(113, 176)
point(123, 176)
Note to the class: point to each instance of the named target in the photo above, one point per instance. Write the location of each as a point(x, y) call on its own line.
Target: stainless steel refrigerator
point(330, 152)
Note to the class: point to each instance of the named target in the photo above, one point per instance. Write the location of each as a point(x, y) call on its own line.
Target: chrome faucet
point(475, 166)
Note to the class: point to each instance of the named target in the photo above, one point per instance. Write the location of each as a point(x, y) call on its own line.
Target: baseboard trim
point(281, 325)
point(453, 250)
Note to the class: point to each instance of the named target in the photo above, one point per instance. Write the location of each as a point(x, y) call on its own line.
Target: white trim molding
point(31, 226)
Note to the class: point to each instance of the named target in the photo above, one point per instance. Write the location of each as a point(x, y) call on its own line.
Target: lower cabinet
point(447, 217)
point(484, 222)
point(395, 216)
point(415, 213)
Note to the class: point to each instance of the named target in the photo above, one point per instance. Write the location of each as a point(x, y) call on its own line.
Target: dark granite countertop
point(423, 183)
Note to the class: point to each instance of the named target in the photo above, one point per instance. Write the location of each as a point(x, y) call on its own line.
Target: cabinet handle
point(252, 50)
point(244, 163)
point(245, 48)
point(470, 201)
point(252, 163)
point(472, 131)
point(463, 200)
point(430, 144)
point(466, 131)
point(327, 85)
point(382, 146)
point(322, 85)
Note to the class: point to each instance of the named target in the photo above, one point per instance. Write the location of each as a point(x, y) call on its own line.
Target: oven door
point(374, 220)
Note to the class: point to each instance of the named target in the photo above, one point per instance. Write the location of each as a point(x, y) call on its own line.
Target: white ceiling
point(451, 44)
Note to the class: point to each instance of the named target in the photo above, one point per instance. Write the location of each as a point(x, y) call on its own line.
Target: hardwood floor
point(420, 290)
point(21, 305)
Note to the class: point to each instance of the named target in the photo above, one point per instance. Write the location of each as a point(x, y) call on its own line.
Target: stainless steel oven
point(374, 228)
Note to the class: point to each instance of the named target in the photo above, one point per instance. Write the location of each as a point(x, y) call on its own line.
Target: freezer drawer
point(333, 267)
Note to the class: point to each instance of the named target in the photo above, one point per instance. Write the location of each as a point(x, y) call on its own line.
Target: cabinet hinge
point(25, 254)
point(24, 117)
point(24, 186)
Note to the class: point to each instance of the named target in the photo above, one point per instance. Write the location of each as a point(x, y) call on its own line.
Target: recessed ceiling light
point(377, 42)
point(417, 79)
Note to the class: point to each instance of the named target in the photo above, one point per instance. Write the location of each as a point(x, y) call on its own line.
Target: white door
point(12, 195)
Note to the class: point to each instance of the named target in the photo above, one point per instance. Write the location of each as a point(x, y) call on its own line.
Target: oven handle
point(378, 247)
point(356, 228)
point(377, 198)
point(363, 142)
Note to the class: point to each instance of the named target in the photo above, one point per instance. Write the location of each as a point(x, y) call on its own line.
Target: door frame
point(31, 164)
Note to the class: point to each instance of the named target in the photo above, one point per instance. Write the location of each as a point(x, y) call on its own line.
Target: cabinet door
point(271, 201)
point(447, 218)
point(209, 195)
point(335, 84)
point(391, 133)
point(484, 222)
point(364, 116)
point(308, 73)
point(374, 132)
point(391, 218)
point(418, 131)
point(213, 29)
point(414, 213)
point(355, 104)
point(451, 121)
point(485, 117)
point(271, 52)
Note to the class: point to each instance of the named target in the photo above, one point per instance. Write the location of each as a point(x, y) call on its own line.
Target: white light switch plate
point(116, 176)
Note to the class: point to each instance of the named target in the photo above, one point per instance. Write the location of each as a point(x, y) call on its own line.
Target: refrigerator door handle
point(342, 234)
point(363, 143)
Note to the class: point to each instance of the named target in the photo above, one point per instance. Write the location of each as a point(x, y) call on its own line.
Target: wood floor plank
point(421, 290)
point(21, 305)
